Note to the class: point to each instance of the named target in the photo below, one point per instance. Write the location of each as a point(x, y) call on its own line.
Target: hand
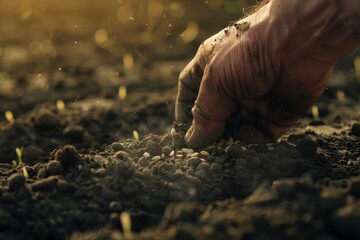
point(265, 69)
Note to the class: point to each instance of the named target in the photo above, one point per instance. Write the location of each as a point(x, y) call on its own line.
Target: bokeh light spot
point(101, 36)
point(125, 13)
point(177, 9)
point(191, 32)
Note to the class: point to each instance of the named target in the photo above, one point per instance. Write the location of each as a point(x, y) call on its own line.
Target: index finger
point(188, 87)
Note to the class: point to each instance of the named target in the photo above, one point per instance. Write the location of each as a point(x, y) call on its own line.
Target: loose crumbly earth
point(82, 168)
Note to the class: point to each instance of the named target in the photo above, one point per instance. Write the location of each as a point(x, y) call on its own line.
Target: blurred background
point(70, 50)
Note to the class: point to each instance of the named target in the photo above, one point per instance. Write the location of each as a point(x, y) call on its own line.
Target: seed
point(122, 92)
point(162, 155)
point(195, 154)
point(172, 153)
point(187, 150)
point(146, 155)
point(204, 153)
point(179, 155)
point(125, 220)
point(156, 158)
point(136, 135)
point(315, 112)
point(9, 116)
point(128, 61)
point(60, 105)
point(173, 131)
point(340, 95)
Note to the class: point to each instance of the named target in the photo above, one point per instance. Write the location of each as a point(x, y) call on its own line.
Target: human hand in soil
point(266, 69)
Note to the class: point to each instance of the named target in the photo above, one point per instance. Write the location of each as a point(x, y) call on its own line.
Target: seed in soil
point(205, 153)
point(187, 150)
point(156, 158)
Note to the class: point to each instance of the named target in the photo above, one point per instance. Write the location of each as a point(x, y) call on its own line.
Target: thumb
point(211, 109)
point(203, 131)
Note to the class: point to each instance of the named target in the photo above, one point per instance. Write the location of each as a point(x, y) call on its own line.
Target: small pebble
point(190, 171)
point(117, 146)
point(201, 174)
point(355, 129)
point(167, 150)
point(46, 120)
point(307, 147)
point(172, 131)
point(114, 220)
point(241, 162)
point(16, 181)
point(236, 151)
point(285, 188)
point(204, 167)
point(68, 156)
point(270, 149)
point(143, 161)
point(146, 155)
point(172, 153)
point(54, 168)
point(355, 186)
point(254, 163)
point(193, 162)
point(115, 206)
point(216, 168)
point(74, 132)
point(345, 221)
point(121, 155)
point(153, 148)
point(63, 185)
point(177, 141)
point(100, 172)
point(46, 184)
point(179, 155)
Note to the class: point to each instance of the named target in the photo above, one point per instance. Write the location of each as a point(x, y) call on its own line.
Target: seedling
point(60, 105)
point(125, 220)
point(136, 135)
point(25, 172)
point(9, 117)
point(19, 153)
point(315, 112)
point(340, 95)
point(122, 92)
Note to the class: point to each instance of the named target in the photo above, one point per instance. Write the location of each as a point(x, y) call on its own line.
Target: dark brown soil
point(83, 166)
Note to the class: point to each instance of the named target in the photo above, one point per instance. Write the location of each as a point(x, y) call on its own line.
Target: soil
point(85, 167)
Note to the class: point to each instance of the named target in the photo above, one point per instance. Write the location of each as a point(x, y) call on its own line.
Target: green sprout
point(19, 153)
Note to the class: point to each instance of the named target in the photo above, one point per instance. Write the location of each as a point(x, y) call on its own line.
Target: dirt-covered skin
point(305, 186)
